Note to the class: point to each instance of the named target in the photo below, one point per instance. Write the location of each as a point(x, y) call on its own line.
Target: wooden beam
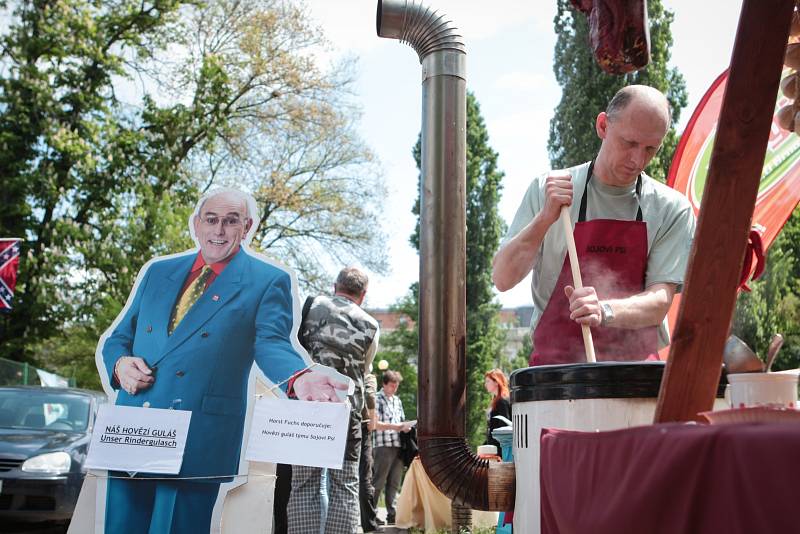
point(695, 359)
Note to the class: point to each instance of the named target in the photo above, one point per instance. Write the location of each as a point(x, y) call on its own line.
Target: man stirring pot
point(633, 235)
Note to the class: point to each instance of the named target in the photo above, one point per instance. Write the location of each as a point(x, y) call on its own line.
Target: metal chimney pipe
point(443, 449)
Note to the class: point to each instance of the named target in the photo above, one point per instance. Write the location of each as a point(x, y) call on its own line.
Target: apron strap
point(582, 212)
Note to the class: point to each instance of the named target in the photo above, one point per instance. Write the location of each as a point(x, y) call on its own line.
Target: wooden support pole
point(709, 296)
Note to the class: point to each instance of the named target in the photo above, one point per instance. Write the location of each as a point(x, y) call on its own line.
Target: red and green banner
point(779, 191)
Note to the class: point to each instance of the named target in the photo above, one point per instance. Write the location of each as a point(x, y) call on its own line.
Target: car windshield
point(43, 410)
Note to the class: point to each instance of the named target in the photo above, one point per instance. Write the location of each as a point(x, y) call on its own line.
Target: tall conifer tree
point(485, 228)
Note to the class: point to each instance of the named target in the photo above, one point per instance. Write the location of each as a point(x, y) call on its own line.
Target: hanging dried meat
point(618, 32)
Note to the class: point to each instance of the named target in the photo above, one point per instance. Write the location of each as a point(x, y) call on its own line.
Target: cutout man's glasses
point(213, 220)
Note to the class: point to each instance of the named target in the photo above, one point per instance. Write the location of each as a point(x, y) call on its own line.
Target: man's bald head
point(632, 128)
point(643, 97)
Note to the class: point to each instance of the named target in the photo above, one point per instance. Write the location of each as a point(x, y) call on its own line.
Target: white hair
point(247, 199)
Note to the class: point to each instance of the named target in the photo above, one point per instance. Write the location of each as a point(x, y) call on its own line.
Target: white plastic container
point(762, 389)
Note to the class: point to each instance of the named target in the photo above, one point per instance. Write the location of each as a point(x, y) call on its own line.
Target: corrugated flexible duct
point(456, 471)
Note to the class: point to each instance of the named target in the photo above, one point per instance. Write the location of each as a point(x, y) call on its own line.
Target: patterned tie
point(189, 297)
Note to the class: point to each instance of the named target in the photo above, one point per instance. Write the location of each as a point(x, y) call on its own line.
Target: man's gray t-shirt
point(670, 228)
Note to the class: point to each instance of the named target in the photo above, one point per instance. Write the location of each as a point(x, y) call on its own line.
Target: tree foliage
point(400, 349)
point(484, 230)
point(773, 305)
point(520, 359)
point(63, 154)
point(115, 116)
point(290, 135)
point(586, 89)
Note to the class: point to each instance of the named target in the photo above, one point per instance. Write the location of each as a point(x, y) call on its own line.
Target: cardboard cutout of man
point(187, 339)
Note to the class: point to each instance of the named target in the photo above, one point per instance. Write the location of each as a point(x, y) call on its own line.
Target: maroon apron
point(613, 259)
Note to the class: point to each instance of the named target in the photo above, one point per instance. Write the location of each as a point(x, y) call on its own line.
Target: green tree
point(63, 155)
point(115, 115)
point(520, 358)
point(290, 133)
point(484, 229)
point(400, 349)
point(586, 89)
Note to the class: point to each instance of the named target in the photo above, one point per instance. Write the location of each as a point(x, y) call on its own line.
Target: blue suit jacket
point(245, 315)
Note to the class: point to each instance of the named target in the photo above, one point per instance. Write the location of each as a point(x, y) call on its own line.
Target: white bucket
point(746, 390)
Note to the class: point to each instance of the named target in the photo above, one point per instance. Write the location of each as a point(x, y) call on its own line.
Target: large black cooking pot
point(601, 380)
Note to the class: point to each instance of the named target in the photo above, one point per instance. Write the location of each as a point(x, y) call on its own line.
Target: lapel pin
point(215, 298)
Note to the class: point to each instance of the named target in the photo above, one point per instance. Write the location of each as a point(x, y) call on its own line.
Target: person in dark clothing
point(283, 486)
point(496, 383)
point(366, 490)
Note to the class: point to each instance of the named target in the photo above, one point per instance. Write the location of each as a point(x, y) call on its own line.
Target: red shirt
point(197, 268)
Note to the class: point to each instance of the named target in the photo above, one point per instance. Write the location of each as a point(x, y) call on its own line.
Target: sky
point(509, 69)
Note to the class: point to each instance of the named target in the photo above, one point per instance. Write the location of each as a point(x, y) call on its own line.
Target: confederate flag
point(9, 261)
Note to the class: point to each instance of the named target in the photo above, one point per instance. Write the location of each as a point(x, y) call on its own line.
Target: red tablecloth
point(672, 478)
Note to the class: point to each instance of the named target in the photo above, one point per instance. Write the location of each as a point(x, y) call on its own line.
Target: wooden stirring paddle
point(566, 222)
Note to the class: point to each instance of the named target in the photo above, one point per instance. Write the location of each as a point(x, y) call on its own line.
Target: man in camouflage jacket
point(337, 333)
